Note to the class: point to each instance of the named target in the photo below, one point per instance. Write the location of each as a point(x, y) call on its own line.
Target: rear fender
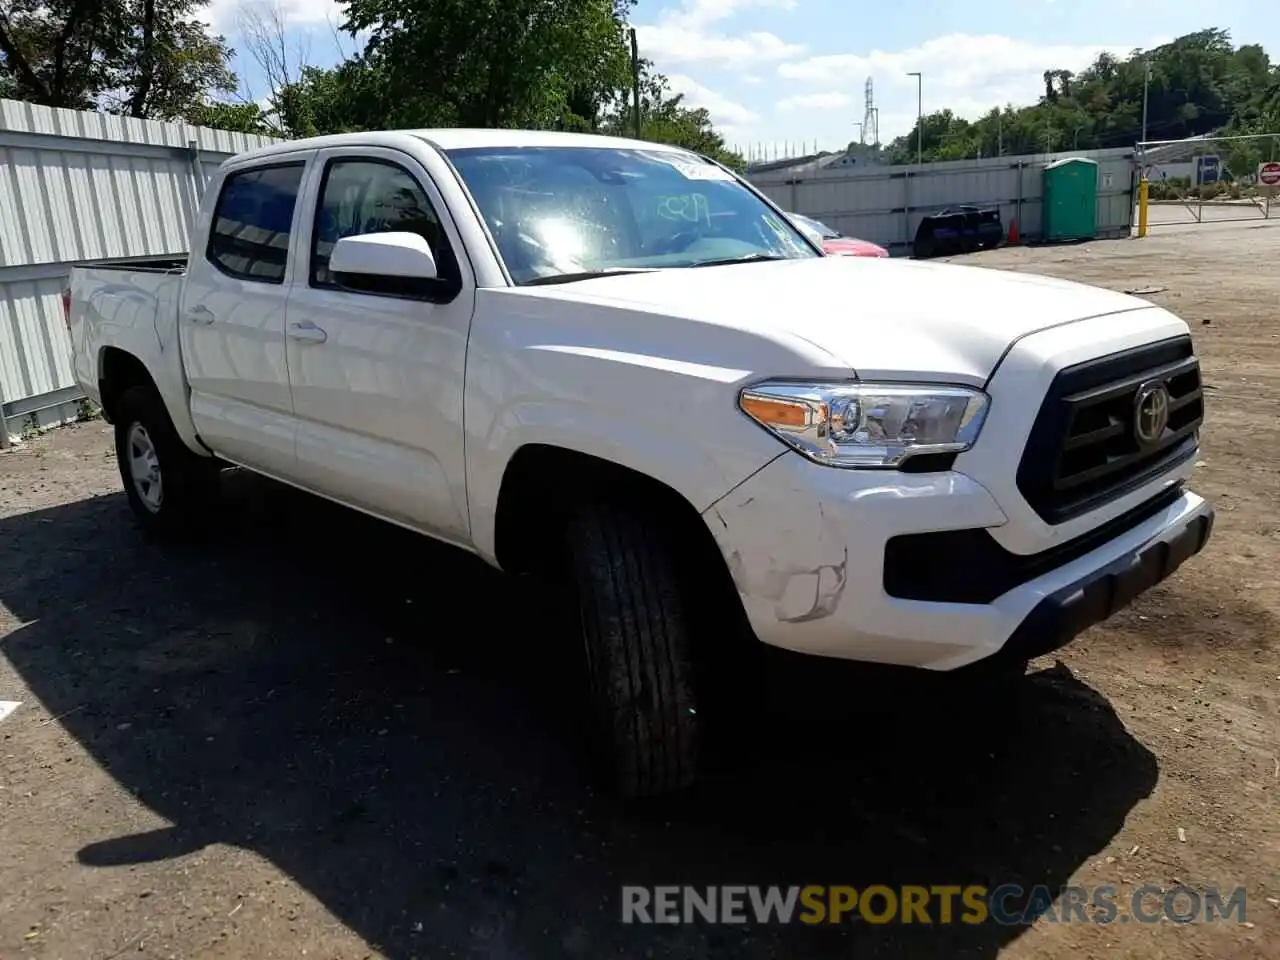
point(137, 315)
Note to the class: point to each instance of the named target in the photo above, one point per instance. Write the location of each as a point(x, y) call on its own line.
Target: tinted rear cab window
point(252, 222)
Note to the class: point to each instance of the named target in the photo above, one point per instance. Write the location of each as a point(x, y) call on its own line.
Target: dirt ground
point(318, 736)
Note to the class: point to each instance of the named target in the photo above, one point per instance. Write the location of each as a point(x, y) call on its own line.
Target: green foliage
point(563, 66)
point(481, 63)
point(87, 410)
point(665, 119)
point(355, 95)
point(238, 117)
point(1199, 84)
point(493, 63)
point(143, 58)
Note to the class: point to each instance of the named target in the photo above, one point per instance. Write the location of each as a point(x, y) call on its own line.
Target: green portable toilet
point(1071, 200)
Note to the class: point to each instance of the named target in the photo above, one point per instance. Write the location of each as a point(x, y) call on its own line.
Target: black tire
point(183, 485)
point(637, 630)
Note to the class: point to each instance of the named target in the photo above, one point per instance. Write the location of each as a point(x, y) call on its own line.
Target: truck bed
point(129, 306)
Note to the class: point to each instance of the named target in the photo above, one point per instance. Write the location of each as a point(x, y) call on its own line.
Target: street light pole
point(919, 116)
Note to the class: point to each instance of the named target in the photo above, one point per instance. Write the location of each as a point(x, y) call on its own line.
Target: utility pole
point(1146, 82)
point(635, 79)
point(861, 131)
point(1000, 132)
point(919, 116)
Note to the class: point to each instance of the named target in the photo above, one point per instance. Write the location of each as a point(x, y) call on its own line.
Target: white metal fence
point(886, 204)
point(82, 186)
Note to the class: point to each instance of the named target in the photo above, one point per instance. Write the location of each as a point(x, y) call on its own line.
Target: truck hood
point(873, 316)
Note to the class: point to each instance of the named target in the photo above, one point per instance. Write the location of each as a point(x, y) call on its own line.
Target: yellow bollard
point(1144, 187)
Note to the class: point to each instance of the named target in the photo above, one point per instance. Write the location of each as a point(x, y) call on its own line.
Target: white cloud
point(225, 14)
point(728, 115)
point(966, 74)
point(702, 12)
point(830, 100)
point(686, 36)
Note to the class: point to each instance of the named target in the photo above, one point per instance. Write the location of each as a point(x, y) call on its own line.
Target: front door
point(231, 319)
point(377, 378)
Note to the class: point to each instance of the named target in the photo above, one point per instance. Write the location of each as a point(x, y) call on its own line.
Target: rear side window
point(252, 222)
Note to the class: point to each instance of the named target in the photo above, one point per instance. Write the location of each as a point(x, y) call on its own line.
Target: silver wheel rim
point(144, 467)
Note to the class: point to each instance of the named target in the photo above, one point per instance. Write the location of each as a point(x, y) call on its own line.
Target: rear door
point(232, 315)
point(377, 377)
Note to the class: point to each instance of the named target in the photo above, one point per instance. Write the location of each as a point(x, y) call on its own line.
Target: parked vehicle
point(962, 230)
point(618, 360)
point(833, 242)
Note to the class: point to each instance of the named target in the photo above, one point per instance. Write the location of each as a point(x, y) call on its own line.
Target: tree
point(665, 119)
point(143, 58)
point(528, 63)
point(1199, 84)
point(238, 117)
point(352, 96)
point(494, 63)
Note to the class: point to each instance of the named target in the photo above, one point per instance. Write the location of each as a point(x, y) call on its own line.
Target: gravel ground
point(320, 736)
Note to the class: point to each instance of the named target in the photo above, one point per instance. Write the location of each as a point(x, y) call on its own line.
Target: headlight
point(867, 424)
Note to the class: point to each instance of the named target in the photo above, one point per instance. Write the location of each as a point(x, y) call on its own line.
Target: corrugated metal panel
point(886, 204)
point(84, 186)
point(35, 355)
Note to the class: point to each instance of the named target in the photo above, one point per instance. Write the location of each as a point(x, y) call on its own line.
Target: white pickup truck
point(617, 360)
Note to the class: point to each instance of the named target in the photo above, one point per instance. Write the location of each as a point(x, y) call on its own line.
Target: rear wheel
point(636, 627)
point(169, 488)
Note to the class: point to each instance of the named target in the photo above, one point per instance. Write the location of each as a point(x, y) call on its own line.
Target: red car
point(833, 243)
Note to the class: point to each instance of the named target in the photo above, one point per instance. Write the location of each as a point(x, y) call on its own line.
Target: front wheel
point(170, 488)
point(637, 630)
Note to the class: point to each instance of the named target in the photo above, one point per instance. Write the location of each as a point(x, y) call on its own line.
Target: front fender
point(677, 425)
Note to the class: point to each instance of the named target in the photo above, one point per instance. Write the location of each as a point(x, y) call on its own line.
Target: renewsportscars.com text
point(1007, 904)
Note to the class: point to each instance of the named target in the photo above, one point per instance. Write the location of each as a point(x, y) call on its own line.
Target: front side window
point(252, 222)
point(368, 196)
point(564, 211)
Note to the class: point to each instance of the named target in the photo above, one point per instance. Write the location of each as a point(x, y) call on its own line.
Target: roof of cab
point(459, 138)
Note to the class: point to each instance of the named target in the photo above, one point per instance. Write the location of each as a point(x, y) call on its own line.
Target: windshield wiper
point(581, 275)
point(748, 258)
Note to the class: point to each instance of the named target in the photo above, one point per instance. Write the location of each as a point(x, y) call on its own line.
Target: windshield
point(559, 211)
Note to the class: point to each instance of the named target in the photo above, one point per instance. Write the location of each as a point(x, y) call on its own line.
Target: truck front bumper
point(898, 568)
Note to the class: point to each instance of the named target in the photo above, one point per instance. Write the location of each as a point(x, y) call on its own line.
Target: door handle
point(307, 332)
point(200, 314)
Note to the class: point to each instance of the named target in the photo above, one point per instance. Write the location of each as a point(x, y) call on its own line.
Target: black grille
point(1082, 451)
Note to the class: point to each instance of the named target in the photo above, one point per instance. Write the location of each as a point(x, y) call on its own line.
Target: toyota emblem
point(1150, 412)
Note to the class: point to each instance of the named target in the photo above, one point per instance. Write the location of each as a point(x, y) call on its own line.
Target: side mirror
point(381, 256)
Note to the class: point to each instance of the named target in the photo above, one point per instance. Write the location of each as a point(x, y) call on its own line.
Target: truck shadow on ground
point(379, 718)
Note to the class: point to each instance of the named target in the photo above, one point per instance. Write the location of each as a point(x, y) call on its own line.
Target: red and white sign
point(1269, 174)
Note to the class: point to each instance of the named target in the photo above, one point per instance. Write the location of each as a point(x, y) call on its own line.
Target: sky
point(779, 74)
